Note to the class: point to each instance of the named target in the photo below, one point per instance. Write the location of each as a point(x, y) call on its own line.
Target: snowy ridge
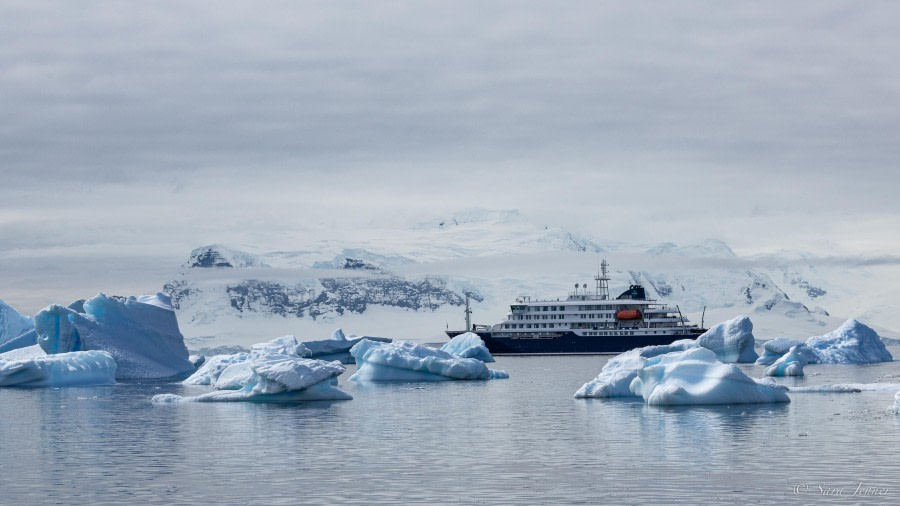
point(411, 283)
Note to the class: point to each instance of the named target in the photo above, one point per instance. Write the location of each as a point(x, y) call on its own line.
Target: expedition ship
point(584, 323)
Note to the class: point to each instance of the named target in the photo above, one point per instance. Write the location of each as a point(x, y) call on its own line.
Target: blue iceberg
point(407, 361)
point(12, 326)
point(141, 334)
point(851, 343)
point(617, 374)
point(695, 377)
point(789, 364)
point(468, 345)
point(34, 368)
point(776, 348)
point(732, 341)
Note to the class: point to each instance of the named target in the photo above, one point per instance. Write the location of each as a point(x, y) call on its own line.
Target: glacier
point(696, 376)
point(141, 334)
point(851, 343)
point(732, 340)
point(468, 345)
point(12, 325)
point(274, 378)
point(407, 361)
point(78, 368)
point(789, 364)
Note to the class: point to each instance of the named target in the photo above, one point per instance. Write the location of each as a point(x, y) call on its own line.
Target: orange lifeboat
point(628, 314)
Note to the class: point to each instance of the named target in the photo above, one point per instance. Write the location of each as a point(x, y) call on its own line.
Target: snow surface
point(789, 364)
point(79, 368)
point(141, 334)
point(732, 341)
point(12, 323)
point(468, 345)
point(407, 361)
point(274, 378)
point(696, 376)
point(851, 343)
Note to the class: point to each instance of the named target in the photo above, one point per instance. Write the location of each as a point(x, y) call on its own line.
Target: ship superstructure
point(585, 322)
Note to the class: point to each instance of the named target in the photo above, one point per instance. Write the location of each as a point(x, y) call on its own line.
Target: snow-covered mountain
point(411, 282)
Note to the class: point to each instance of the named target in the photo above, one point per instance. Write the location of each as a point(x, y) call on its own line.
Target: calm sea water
point(524, 440)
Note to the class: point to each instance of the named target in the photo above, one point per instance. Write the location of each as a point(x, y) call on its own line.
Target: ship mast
point(468, 315)
point(602, 280)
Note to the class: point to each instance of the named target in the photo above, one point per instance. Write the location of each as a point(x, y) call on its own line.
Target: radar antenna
point(602, 280)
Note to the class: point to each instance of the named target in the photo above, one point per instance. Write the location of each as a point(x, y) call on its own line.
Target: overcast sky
point(133, 132)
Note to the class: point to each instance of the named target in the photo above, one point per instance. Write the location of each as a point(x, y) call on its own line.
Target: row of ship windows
point(560, 316)
point(564, 308)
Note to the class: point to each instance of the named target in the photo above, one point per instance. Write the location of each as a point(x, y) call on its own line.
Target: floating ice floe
point(12, 325)
point(468, 345)
point(851, 343)
point(337, 347)
point(35, 368)
point(141, 334)
point(789, 364)
point(616, 376)
point(896, 407)
point(732, 341)
point(846, 388)
point(407, 361)
point(210, 371)
point(275, 378)
point(696, 376)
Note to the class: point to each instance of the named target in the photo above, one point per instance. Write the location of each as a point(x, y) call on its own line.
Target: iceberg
point(78, 368)
point(851, 343)
point(27, 339)
point(407, 361)
point(776, 348)
point(896, 407)
point(12, 325)
point(790, 364)
point(616, 376)
point(213, 367)
point(696, 376)
point(141, 334)
point(468, 345)
point(337, 347)
point(732, 341)
point(284, 345)
point(275, 378)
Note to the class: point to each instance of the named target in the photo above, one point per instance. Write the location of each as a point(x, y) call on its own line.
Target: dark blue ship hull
point(569, 343)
